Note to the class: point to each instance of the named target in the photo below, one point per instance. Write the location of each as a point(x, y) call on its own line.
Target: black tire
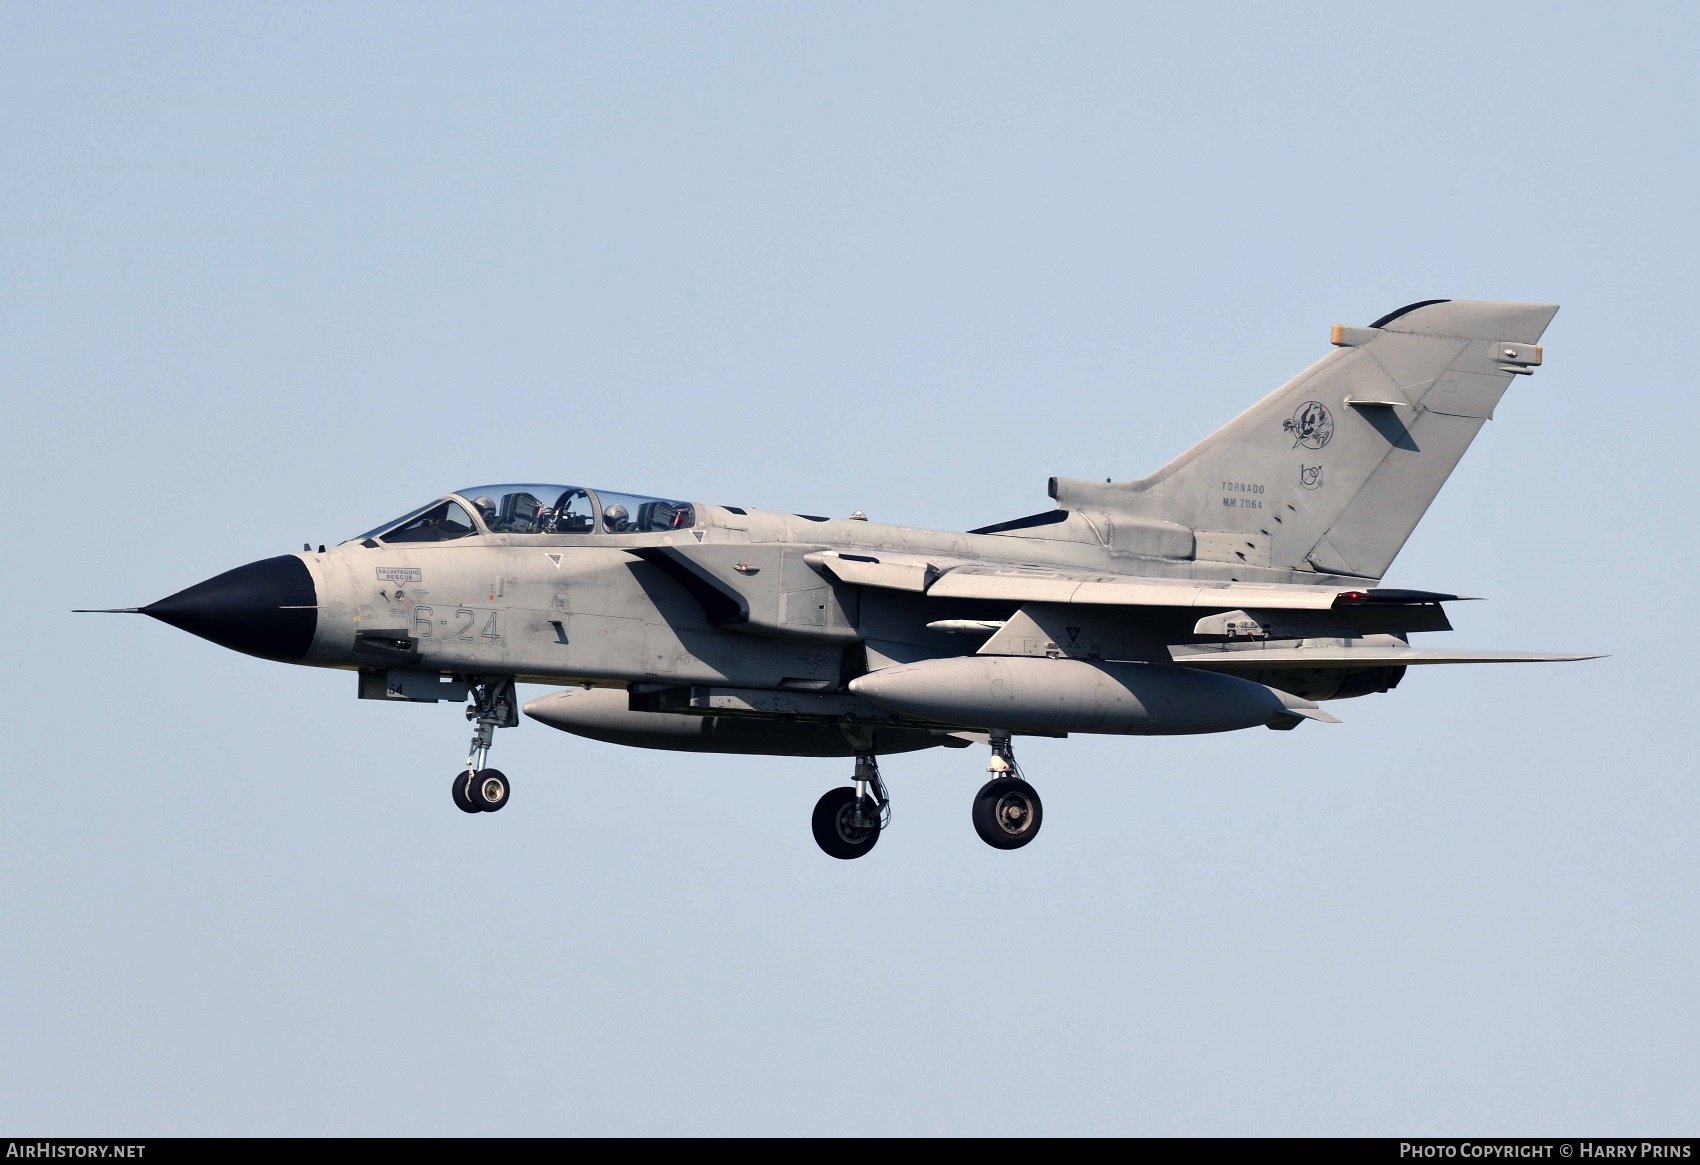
point(836, 833)
point(462, 802)
point(1007, 813)
point(490, 790)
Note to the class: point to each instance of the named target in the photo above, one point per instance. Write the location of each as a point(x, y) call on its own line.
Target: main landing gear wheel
point(1007, 810)
point(846, 825)
point(1007, 813)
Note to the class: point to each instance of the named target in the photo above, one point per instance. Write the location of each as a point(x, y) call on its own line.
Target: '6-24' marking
point(427, 626)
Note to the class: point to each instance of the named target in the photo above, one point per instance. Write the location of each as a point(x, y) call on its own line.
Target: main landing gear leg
point(848, 820)
point(1007, 810)
point(478, 789)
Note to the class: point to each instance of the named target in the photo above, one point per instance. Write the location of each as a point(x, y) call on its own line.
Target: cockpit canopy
point(534, 509)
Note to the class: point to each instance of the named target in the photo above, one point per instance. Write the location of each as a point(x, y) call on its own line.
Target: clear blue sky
point(273, 273)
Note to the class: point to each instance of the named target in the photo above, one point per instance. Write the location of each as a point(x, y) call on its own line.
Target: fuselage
point(596, 607)
point(1234, 587)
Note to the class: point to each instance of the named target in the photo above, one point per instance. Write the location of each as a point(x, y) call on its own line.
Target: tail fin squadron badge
point(1311, 425)
point(1310, 476)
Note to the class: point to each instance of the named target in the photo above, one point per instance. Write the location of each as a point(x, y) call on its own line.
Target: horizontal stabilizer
point(1377, 656)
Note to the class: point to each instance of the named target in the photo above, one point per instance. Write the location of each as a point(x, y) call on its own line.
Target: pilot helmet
point(486, 506)
point(614, 518)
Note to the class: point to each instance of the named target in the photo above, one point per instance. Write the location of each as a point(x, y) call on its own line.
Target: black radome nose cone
point(267, 608)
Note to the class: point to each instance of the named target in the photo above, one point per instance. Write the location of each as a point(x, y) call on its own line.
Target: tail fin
point(1333, 470)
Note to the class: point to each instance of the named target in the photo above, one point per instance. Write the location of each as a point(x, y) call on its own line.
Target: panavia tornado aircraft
point(1236, 587)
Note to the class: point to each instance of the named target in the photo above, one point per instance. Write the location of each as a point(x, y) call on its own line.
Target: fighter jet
point(1235, 587)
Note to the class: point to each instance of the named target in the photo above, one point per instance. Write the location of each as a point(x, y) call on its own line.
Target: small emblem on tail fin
point(1311, 425)
point(1310, 476)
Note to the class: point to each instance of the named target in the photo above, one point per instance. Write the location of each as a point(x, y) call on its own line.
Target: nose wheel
point(1007, 811)
point(484, 791)
point(462, 790)
point(478, 789)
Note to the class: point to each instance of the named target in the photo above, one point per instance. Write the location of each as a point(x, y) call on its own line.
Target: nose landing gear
point(462, 791)
point(478, 789)
point(1007, 810)
point(847, 821)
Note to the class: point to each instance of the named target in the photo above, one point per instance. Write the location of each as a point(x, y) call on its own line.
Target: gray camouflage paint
point(1309, 493)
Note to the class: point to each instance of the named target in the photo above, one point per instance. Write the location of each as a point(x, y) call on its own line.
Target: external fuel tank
point(1027, 694)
